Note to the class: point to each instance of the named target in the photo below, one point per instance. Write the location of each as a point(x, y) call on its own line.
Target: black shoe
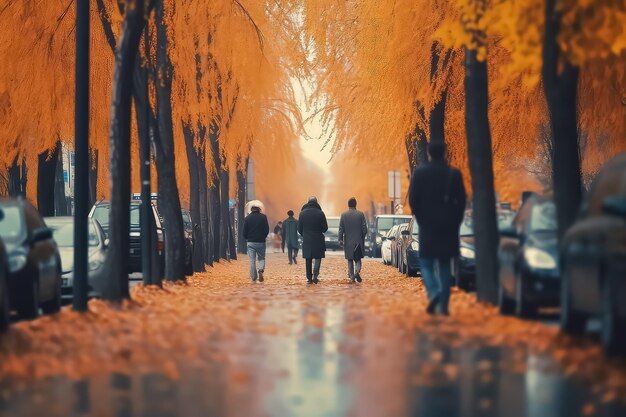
point(432, 304)
point(260, 276)
point(290, 263)
point(309, 281)
point(315, 280)
point(295, 261)
point(358, 277)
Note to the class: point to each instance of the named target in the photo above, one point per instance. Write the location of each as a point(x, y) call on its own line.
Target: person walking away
point(277, 238)
point(437, 200)
point(290, 237)
point(352, 233)
point(312, 225)
point(255, 231)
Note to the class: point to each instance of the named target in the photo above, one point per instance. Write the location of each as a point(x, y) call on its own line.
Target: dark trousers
point(312, 271)
point(292, 253)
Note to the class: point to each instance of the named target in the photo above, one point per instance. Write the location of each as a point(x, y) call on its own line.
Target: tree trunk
point(46, 178)
point(205, 207)
point(560, 87)
point(214, 190)
point(16, 182)
point(241, 203)
point(224, 215)
point(232, 245)
point(168, 200)
point(61, 203)
point(481, 169)
point(119, 152)
point(194, 198)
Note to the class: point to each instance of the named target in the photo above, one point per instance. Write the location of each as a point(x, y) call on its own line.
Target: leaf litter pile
point(203, 321)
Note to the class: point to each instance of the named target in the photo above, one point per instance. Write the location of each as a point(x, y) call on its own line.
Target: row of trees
point(485, 76)
point(207, 79)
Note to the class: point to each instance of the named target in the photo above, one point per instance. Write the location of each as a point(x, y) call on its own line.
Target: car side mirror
point(509, 231)
point(40, 234)
point(615, 206)
point(383, 238)
point(405, 233)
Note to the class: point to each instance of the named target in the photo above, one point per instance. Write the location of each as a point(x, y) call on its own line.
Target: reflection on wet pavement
point(332, 360)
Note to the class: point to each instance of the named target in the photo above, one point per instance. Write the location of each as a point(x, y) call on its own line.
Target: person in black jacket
point(255, 231)
point(437, 199)
point(312, 225)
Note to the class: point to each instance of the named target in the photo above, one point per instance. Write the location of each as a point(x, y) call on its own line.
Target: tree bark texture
point(46, 178)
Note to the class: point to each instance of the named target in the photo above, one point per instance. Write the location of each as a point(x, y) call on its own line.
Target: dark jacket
point(255, 227)
point(437, 199)
point(290, 232)
point(312, 225)
point(352, 232)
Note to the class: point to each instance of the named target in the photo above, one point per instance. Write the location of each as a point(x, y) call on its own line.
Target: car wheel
point(5, 311)
point(523, 307)
point(572, 320)
point(54, 305)
point(29, 307)
point(505, 304)
point(613, 327)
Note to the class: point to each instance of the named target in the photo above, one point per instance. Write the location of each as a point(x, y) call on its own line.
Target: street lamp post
point(81, 147)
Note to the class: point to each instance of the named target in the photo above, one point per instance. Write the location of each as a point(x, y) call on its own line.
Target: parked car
point(465, 271)
point(410, 249)
point(33, 259)
point(332, 234)
point(5, 309)
point(382, 224)
point(529, 263)
point(100, 212)
point(396, 241)
point(63, 234)
point(594, 260)
point(386, 246)
point(189, 241)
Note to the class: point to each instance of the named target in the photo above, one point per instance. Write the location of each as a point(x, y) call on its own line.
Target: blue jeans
point(437, 275)
point(256, 249)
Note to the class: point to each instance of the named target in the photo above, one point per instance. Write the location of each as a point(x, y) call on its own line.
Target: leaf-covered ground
point(370, 346)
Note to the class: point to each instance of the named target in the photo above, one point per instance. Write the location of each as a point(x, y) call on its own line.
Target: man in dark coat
point(437, 199)
point(352, 233)
point(255, 231)
point(312, 225)
point(290, 237)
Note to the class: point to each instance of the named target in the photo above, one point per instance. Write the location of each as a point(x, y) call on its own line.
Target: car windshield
point(386, 223)
point(11, 224)
point(101, 214)
point(63, 234)
point(543, 217)
point(333, 224)
point(505, 219)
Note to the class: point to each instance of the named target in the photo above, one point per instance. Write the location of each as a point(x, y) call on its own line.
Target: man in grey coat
point(290, 237)
point(352, 233)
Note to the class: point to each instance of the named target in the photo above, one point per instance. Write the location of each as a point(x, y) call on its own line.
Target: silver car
point(63, 234)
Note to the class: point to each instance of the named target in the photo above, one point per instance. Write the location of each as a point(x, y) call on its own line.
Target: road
point(222, 346)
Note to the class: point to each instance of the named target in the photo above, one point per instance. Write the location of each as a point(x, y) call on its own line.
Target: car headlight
point(540, 259)
point(17, 261)
point(415, 246)
point(95, 264)
point(467, 253)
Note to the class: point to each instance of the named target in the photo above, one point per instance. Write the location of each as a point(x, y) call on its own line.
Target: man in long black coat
point(352, 233)
point(312, 225)
point(437, 199)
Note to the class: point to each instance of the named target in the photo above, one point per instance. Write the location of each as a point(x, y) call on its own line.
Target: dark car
point(331, 237)
point(382, 224)
point(33, 259)
point(465, 271)
point(410, 250)
point(5, 309)
point(100, 212)
point(529, 259)
point(189, 241)
point(594, 260)
point(63, 234)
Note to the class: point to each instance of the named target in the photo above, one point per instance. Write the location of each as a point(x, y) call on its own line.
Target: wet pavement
point(334, 349)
